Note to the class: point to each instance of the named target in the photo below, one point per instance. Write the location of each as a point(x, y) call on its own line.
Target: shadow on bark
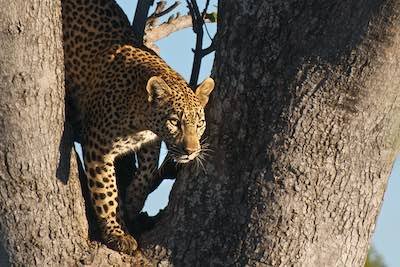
point(311, 34)
point(65, 148)
point(4, 261)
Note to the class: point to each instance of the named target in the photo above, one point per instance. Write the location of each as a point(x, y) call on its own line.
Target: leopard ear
point(157, 88)
point(204, 90)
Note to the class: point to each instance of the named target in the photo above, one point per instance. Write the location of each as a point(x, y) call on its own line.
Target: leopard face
point(181, 124)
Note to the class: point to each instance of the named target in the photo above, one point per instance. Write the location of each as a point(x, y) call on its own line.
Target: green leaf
point(212, 16)
point(374, 259)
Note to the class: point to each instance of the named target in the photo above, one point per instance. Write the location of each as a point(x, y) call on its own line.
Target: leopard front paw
point(122, 242)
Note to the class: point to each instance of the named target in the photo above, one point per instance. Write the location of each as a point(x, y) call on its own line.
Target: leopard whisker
point(199, 160)
point(204, 140)
point(176, 151)
point(205, 154)
point(206, 147)
point(196, 165)
point(207, 151)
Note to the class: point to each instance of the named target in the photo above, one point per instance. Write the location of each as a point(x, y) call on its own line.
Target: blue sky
point(176, 50)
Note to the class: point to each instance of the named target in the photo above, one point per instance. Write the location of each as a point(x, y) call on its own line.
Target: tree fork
point(311, 97)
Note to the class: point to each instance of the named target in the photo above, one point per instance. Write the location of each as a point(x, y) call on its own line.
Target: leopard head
point(180, 117)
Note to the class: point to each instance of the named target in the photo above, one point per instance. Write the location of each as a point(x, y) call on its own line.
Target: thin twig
point(208, 50)
point(205, 9)
point(203, 15)
point(152, 20)
point(162, 12)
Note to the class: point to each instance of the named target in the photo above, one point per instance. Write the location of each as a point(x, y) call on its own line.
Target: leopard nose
point(191, 144)
point(190, 150)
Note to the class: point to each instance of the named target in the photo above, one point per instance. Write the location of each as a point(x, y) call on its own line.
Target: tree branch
point(159, 12)
point(165, 29)
point(208, 50)
point(152, 19)
point(139, 21)
point(197, 20)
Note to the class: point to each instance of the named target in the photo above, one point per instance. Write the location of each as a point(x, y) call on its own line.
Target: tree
point(36, 200)
point(303, 125)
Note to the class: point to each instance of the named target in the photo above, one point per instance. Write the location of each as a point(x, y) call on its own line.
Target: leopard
point(128, 99)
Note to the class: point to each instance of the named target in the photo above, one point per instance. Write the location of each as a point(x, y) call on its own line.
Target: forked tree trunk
point(304, 125)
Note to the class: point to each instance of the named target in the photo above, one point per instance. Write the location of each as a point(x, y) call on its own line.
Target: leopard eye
point(173, 121)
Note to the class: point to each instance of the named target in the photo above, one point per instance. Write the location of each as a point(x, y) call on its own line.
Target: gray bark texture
point(35, 201)
point(42, 214)
point(304, 124)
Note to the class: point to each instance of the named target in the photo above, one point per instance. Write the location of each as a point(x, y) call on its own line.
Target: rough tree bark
point(35, 200)
point(42, 214)
point(304, 123)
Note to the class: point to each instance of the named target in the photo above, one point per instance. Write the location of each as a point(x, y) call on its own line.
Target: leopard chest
point(133, 142)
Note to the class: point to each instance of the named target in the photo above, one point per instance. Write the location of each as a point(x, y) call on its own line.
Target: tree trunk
point(39, 213)
point(42, 214)
point(305, 125)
